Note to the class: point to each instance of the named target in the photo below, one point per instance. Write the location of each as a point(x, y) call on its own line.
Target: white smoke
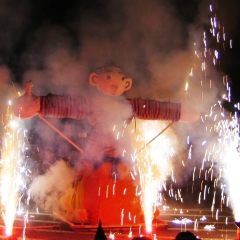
point(47, 189)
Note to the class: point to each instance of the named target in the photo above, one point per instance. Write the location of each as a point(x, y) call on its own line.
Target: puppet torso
point(108, 116)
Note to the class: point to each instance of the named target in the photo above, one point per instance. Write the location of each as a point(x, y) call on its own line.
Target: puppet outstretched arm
point(64, 106)
point(156, 110)
point(59, 106)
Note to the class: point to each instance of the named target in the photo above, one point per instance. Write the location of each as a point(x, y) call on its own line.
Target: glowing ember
point(182, 221)
point(209, 227)
point(112, 235)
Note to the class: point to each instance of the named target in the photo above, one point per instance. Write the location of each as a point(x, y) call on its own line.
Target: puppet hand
point(28, 105)
point(188, 113)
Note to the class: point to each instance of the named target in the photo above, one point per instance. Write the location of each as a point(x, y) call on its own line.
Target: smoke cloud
point(149, 40)
point(46, 190)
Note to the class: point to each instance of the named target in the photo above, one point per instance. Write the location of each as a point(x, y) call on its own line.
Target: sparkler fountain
point(10, 163)
point(154, 164)
point(221, 146)
point(232, 165)
point(228, 130)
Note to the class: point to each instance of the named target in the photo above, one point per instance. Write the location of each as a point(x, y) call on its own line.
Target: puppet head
point(110, 80)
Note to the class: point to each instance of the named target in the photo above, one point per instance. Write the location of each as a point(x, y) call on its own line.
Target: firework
point(10, 163)
point(153, 161)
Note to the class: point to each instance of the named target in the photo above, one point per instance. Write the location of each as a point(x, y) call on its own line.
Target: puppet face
point(110, 81)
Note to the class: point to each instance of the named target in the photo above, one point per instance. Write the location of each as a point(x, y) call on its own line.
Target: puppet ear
point(128, 84)
point(93, 79)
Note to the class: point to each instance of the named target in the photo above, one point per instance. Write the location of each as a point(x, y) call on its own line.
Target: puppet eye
point(108, 77)
point(123, 78)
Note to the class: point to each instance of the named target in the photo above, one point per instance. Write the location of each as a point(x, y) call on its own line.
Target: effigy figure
point(107, 181)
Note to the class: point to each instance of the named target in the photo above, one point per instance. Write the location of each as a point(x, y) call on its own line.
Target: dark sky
point(57, 43)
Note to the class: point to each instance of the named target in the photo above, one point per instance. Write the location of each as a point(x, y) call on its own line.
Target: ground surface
point(199, 221)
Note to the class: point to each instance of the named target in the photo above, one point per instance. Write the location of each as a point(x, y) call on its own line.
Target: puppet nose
point(115, 86)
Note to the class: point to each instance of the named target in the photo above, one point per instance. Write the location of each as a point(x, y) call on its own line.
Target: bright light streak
point(217, 215)
point(218, 37)
point(193, 173)
point(130, 233)
point(196, 225)
point(191, 73)
point(122, 216)
point(190, 152)
point(214, 32)
point(215, 22)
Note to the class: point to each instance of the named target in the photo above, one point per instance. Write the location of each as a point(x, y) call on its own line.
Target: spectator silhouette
point(100, 234)
point(185, 236)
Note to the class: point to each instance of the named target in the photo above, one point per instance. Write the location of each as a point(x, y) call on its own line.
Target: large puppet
point(107, 177)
